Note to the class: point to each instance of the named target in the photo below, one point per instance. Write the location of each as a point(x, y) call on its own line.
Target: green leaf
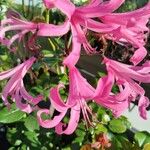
point(18, 142)
point(12, 115)
point(115, 144)
point(12, 148)
point(32, 137)
point(125, 121)
point(140, 137)
point(31, 123)
point(100, 128)
point(4, 57)
point(117, 126)
point(48, 53)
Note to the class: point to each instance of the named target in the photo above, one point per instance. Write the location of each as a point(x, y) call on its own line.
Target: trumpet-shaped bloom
point(127, 78)
point(79, 93)
point(17, 25)
point(15, 87)
point(131, 27)
point(126, 29)
point(104, 97)
point(80, 22)
point(21, 27)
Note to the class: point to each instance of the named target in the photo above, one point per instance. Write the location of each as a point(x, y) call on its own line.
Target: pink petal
point(65, 6)
point(28, 97)
point(53, 30)
point(143, 104)
point(138, 56)
point(74, 56)
point(22, 106)
point(73, 122)
point(127, 71)
point(99, 9)
point(78, 84)
point(104, 86)
point(56, 100)
point(49, 123)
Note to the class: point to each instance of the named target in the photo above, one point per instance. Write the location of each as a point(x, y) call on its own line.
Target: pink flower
point(15, 87)
point(130, 28)
point(127, 78)
point(79, 93)
point(124, 30)
point(15, 24)
point(104, 97)
point(64, 6)
point(98, 8)
point(80, 22)
point(21, 27)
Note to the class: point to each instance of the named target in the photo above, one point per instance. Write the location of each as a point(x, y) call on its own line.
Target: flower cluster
point(99, 17)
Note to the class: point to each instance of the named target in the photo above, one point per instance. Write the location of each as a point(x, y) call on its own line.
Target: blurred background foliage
point(20, 131)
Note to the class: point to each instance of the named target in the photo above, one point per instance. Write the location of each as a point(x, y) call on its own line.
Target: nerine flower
point(15, 87)
point(21, 27)
point(130, 28)
point(104, 97)
point(80, 92)
point(80, 22)
point(128, 79)
point(121, 27)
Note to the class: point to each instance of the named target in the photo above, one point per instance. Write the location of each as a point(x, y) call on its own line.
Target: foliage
point(23, 131)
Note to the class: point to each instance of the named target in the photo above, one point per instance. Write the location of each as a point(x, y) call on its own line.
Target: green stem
point(47, 16)
point(23, 8)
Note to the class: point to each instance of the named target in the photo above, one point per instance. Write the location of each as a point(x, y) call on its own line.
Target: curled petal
point(56, 100)
point(123, 94)
point(104, 86)
point(28, 97)
point(143, 104)
point(49, 123)
point(73, 122)
point(138, 56)
point(65, 6)
point(127, 71)
point(22, 106)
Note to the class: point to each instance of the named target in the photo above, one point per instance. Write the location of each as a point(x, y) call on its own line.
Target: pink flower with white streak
point(15, 87)
point(80, 92)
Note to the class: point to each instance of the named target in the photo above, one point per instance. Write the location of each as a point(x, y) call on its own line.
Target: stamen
point(85, 110)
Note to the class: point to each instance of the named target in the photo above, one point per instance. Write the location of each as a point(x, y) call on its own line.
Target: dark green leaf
point(12, 115)
point(31, 123)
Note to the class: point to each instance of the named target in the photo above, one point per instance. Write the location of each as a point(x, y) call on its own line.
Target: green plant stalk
point(58, 67)
point(23, 11)
point(47, 21)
